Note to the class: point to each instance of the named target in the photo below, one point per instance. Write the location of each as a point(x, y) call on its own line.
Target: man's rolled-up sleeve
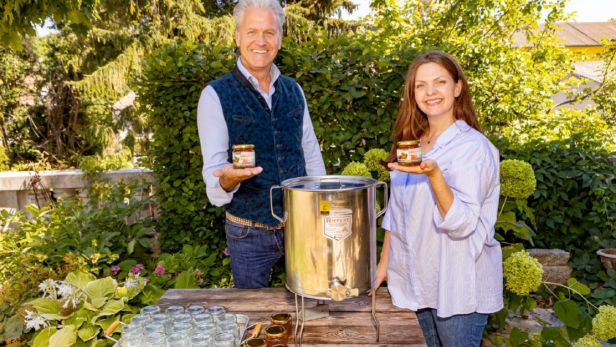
point(471, 186)
point(310, 145)
point(214, 138)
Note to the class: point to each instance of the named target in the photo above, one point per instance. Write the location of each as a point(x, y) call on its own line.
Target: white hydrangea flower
point(35, 321)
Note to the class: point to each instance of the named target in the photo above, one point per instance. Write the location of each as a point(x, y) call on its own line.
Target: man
point(255, 105)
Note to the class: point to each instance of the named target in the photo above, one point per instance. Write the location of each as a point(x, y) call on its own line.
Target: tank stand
point(376, 320)
point(321, 310)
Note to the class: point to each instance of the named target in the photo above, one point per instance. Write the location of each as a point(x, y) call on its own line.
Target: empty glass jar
point(201, 340)
point(202, 318)
point(182, 318)
point(178, 340)
point(195, 310)
point(216, 310)
point(206, 328)
point(185, 328)
point(165, 320)
point(173, 310)
point(150, 310)
point(154, 328)
point(224, 340)
point(156, 339)
point(141, 319)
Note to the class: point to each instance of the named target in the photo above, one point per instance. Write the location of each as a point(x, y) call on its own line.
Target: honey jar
point(409, 153)
point(276, 335)
point(285, 320)
point(255, 342)
point(244, 156)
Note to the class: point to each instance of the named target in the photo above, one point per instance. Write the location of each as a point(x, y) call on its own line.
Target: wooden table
point(349, 324)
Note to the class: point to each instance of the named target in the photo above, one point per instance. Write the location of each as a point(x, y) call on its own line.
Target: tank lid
point(328, 183)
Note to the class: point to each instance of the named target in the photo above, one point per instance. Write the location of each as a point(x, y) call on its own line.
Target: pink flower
point(169, 276)
point(136, 270)
point(159, 270)
point(147, 280)
point(200, 281)
point(226, 252)
point(115, 269)
point(198, 273)
point(177, 274)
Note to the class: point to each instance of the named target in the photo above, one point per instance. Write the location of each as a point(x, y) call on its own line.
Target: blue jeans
point(253, 252)
point(463, 330)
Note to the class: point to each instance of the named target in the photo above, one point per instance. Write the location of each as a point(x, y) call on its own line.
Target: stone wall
point(16, 187)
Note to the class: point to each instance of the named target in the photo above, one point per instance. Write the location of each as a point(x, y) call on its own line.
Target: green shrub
point(573, 205)
point(4, 159)
point(169, 90)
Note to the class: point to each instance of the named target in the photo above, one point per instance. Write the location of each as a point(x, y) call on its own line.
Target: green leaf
point(44, 337)
point(575, 285)
point(46, 305)
point(64, 337)
point(131, 246)
point(568, 312)
point(550, 334)
point(186, 280)
point(100, 290)
point(13, 328)
point(77, 318)
point(110, 308)
point(88, 331)
point(145, 242)
point(518, 337)
point(79, 278)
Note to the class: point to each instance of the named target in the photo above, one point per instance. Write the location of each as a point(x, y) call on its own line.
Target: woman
point(439, 255)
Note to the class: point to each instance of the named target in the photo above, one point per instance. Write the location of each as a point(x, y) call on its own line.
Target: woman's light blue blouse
point(453, 264)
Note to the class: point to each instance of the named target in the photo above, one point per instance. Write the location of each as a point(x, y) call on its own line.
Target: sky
point(586, 11)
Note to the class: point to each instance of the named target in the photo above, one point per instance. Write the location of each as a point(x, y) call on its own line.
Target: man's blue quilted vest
point(276, 134)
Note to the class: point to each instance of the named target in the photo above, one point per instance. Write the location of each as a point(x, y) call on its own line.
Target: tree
point(18, 18)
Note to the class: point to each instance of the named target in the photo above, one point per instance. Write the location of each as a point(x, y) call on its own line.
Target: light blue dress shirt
point(214, 137)
point(453, 264)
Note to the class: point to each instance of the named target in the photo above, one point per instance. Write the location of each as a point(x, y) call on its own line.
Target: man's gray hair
point(274, 5)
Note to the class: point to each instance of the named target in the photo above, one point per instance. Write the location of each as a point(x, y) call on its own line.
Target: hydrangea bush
point(604, 323)
point(517, 179)
point(522, 273)
point(356, 169)
point(588, 341)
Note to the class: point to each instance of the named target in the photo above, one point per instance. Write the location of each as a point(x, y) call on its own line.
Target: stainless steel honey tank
point(330, 235)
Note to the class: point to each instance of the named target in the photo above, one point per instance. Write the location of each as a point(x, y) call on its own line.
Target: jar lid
point(275, 331)
point(409, 143)
point(256, 342)
point(280, 318)
point(243, 146)
point(331, 183)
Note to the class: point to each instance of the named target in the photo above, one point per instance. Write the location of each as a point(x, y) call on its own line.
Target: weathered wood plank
point(399, 320)
point(269, 299)
point(361, 335)
point(349, 324)
point(350, 344)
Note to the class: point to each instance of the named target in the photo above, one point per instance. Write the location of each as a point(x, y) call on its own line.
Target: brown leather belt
point(246, 222)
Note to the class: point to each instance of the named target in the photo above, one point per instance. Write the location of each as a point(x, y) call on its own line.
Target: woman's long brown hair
point(412, 123)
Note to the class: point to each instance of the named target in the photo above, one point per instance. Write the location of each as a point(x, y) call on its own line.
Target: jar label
point(409, 155)
point(338, 225)
point(243, 159)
